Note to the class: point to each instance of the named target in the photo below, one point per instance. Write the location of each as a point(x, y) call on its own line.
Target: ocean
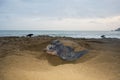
point(54, 33)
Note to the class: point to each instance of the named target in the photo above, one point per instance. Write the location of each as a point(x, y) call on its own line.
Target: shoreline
point(38, 36)
point(73, 34)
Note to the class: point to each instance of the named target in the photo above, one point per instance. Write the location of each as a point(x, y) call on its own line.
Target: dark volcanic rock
point(117, 29)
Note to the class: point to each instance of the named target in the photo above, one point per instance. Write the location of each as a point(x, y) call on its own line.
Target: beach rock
point(29, 35)
point(103, 36)
point(66, 49)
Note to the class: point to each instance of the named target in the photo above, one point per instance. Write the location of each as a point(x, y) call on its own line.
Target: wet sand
point(23, 58)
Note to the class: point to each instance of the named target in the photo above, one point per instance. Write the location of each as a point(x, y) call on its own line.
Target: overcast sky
point(59, 14)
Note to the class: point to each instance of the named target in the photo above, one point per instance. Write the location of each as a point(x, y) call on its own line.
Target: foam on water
point(74, 34)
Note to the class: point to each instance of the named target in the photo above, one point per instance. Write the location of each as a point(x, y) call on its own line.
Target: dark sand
point(24, 59)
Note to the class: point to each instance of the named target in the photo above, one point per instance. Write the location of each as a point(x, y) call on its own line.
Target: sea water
point(54, 33)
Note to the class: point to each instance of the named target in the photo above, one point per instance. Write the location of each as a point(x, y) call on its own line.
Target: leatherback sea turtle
point(64, 52)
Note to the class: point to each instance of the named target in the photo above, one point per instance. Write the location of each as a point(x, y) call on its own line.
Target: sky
point(59, 14)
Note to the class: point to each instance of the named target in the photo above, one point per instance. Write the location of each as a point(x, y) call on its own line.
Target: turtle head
point(52, 48)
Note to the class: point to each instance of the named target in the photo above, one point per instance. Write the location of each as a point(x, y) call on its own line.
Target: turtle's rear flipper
point(75, 56)
point(81, 53)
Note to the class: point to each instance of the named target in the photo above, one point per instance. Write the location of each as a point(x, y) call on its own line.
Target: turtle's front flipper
point(74, 55)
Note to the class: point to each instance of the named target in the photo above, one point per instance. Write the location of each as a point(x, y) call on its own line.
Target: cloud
point(61, 8)
point(59, 14)
point(44, 23)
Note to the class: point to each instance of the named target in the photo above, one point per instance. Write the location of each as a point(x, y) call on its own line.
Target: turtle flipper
point(80, 53)
point(74, 56)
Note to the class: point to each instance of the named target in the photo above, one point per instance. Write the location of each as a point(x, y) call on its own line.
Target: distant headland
point(118, 29)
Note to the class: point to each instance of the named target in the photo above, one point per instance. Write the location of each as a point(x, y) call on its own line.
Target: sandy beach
point(23, 58)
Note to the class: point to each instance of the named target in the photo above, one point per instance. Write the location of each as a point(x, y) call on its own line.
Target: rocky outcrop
point(117, 29)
